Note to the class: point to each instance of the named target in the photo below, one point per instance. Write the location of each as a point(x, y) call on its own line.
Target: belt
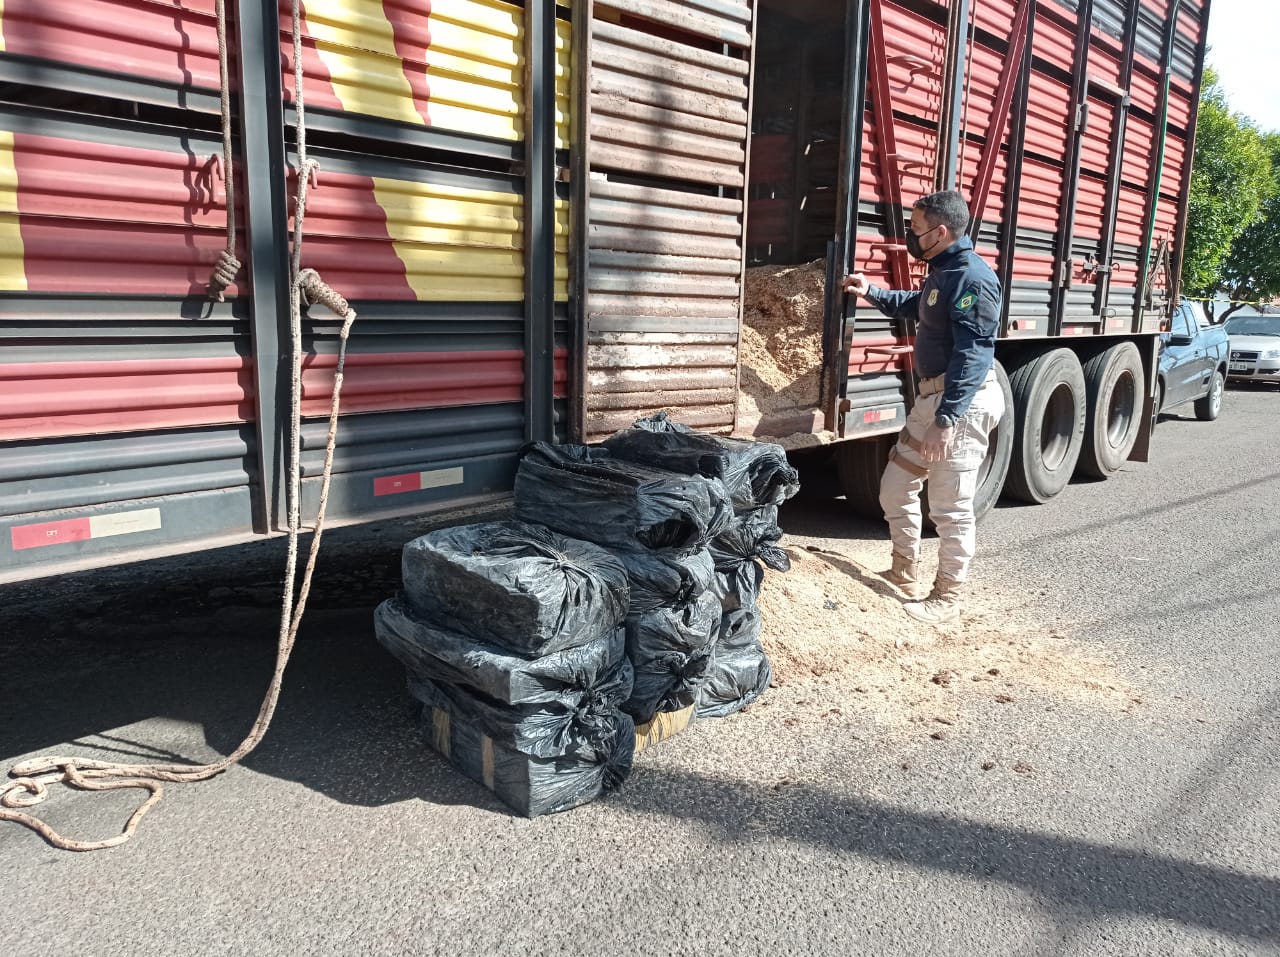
point(930, 386)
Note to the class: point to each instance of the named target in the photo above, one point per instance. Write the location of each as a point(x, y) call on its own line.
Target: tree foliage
point(1233, 185)
point(1251, 271)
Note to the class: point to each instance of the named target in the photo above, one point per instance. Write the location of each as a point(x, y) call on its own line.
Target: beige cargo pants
point(952, 481)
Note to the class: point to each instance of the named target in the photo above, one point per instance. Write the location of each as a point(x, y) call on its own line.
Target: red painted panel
point(410, 25)
point(908, 37)
point(172, 41)
point(396, 484)
point(862, 361)
point(772, 158)
point(385, 382)
point(52, 399)
point(317, 85)
point(118, 220)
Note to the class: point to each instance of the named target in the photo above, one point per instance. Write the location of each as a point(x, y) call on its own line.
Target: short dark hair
point(946, 208)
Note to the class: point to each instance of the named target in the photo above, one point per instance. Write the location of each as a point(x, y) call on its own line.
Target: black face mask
point(913, 243)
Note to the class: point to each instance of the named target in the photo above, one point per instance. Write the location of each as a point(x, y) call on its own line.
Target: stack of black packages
point(658, 523)
point(757, 479)
point(513, 640)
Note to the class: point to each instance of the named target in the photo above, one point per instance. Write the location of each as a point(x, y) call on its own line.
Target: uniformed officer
point(958, 401)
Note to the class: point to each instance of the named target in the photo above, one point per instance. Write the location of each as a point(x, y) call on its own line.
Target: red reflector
point(50, 533)
point(395, 484)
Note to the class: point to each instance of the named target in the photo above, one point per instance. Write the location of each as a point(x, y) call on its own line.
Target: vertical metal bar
point(999, 117)
point(745, 194)
point(887, 148)
point(1008, 241)
point(951, 116)
point(1063, 266)
point(1146, 268)
point(267, 231)
point(1184, 191)
point(835, 364)
point(580, 201)
point(1111, 204)
point(539, 221)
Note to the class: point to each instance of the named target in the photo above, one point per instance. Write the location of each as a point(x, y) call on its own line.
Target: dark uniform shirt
point(957, 313)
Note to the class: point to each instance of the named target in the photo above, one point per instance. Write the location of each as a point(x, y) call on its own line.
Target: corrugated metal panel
point(662, 108)
point(455, 65)
point(96, 216)
point(728, 21)
point(170, 41)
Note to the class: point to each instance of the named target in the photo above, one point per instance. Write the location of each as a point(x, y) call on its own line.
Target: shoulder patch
point(933, 298)
point(965, 302)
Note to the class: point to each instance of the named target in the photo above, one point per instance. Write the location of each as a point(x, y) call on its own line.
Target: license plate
point(1239, 367)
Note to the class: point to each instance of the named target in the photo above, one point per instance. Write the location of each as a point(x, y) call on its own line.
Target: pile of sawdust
point(836, 631)
point(781, 345)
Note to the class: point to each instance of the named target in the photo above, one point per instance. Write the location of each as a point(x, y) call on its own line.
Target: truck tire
point(1208, 406)
point(1113, 409)
point(859, 465)
point(1049, 415)
point(994, 470)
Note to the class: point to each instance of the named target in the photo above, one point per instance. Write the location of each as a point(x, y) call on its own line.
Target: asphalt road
point(1148, 830)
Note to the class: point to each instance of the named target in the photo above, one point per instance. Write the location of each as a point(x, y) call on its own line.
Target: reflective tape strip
point(880, 415)
point(82, 529)
point(417, 481)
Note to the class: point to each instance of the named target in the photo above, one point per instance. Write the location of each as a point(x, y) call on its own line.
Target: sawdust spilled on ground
point(781, 345)
point(840, 644)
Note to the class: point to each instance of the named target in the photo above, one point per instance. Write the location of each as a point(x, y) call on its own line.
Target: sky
point(1244, 48)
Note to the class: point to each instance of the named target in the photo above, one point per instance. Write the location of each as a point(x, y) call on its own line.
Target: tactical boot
point(905, 575)
point(942, 605)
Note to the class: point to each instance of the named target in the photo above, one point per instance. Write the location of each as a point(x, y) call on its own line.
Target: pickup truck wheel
point(1049, 416)
point(859, 465)
point(1207, 407)
point(1113, 409)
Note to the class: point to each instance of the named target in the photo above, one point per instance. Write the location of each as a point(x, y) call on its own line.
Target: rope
point(224, 272)
point(32, 778)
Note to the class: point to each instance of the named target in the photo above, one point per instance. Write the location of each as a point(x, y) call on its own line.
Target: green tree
point(1231, 179)
point(1251, 271)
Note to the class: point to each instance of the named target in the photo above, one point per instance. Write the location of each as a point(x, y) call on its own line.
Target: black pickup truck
point(1193, 364)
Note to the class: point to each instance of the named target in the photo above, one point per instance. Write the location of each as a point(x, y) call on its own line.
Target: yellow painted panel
point(13, 273)
point(355, 41)
point(455, 243)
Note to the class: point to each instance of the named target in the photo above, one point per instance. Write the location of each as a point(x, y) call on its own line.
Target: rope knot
point(315, 290)
point(223, 275)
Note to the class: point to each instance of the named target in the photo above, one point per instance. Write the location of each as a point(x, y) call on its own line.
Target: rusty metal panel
point(726, 21)
point(663, 108)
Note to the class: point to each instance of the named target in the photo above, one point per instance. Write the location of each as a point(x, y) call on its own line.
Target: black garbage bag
point(738, 584)
point(520, 586)
point(588, 493)
point(669, 650)
point(666, 579)
point(755, 473)
point(752, 534)
point(562, 678)
point(739, 670)
point(527, 784)
point(553, 730)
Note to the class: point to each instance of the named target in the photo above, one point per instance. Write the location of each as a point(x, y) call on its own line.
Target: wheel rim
point(1055, 427)
point(1121, 410)
point(1215, 398)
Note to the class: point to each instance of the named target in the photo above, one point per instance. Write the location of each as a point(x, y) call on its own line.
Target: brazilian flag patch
point(965, 302)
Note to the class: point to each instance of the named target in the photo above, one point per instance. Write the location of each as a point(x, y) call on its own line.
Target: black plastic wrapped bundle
point(588, 493)
point(563, 678)
point(755, 473)
point(670, 650)
point(528, 784)
point(667, 579)
point(739, 670)
point(520, 586)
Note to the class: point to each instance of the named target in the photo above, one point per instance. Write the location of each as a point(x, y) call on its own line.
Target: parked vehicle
point(1255, 348)
point(1193, 364)
point(543, 213)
